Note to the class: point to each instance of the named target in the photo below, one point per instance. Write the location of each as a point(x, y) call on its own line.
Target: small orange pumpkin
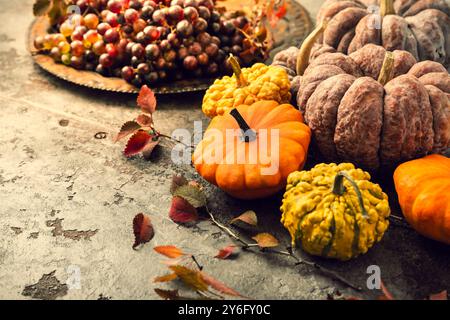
point(423, 188)
point(250, 150)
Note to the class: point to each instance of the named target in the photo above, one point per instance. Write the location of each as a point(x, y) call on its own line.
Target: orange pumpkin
point(423, 188)
point(250, 151)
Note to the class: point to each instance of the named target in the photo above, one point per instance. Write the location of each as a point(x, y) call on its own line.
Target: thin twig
point(199, 266)
point(174, 140)
point(289, 253)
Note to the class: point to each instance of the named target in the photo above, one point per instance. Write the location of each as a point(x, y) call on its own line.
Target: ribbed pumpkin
point(334, 211)
point(373, 107)
point(423, 188)
point(421, 27)
point(255, 164)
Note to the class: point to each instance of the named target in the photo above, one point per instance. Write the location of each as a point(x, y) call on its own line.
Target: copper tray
point(294, 27)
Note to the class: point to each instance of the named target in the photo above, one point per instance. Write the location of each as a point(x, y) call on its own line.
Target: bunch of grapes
point(149, 41)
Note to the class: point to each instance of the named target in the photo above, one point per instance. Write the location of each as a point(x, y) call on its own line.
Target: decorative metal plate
point(291, 30)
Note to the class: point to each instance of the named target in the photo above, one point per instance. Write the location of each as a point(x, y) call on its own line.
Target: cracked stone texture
point(68, 200)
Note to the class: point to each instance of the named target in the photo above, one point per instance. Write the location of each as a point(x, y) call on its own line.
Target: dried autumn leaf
point(144, 120)
point(226, 252)
point(168, 294)
point(219, 286)
point(137, 143)
point(166, 278)
point(266, 240)
point(439, 296)
point(146, 100)
point(192, 194)
point(127, 129)
point(177, 181)
point(181, 211)
point(143, 229)
point(248, 217)
point(149, 148)
point(41, 7)
point(191, 278)
point(169, 251)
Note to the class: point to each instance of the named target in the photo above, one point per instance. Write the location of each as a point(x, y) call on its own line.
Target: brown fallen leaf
point(439, 296)
point(166, 278)
point(226, 252)
point(169, 251)
point(168, 294)
point(248, 217)
point(143, 229)
point(266, 240)
point(182, 211)
point(191, 278)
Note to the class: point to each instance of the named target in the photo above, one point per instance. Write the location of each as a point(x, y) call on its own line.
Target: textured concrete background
point(67, 201)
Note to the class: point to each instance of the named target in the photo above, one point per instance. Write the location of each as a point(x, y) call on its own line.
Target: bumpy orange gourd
point(253, 169)
point(423, 188)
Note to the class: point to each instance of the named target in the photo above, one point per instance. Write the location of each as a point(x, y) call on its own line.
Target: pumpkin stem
point(306, 47)
point(237, 71)
point(386, 7)
point(248, 134)
point(387, 70)
point(339, 189)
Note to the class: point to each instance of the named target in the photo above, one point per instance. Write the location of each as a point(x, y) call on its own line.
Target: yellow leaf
point(266, 240)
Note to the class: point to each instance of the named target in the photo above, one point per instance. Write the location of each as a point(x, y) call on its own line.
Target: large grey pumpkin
point(421, 27)
point(372, 107)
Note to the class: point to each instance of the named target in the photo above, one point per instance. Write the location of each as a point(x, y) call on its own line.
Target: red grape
point(105, 60)
point(152, 51)
point(77, 62)
point(115, 6)
point(190, 63)
point(138, 50)
point(127, 73)
point(99, 47)
point(77, 48)
point(176, 13)
point(184, 28)
point(112, 19)
point(103, 27)
point(111, 35)
point(111, 50)
point(131, 15)
point(152, 32)
point(190, 13)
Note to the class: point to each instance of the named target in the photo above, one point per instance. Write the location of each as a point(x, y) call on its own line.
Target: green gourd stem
point(248, 133)
point(339, 189)
point(237, 71)
point(386, 7)
point(306, 47)
point(387, 70)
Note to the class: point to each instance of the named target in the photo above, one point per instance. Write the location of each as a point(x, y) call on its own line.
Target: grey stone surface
point(68, 200)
